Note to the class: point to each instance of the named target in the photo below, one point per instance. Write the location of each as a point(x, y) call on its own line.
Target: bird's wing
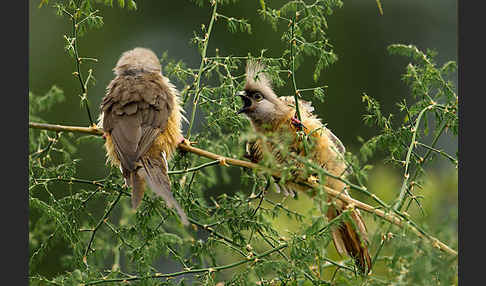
point(337, 143)
point(136, 109)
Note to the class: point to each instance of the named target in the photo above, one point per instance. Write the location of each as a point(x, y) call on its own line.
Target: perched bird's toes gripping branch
point(312, 179)
point(187, 142)
point(222, 161)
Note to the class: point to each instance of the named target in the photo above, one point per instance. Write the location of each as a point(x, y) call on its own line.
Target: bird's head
point(137, 59)
point(260, 103)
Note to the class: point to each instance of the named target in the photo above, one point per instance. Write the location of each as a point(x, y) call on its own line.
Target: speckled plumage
point(272, 116)
point(141, 117)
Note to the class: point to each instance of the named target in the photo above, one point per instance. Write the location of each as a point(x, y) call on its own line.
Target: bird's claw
point(312, 179)
point(351, 206)
point(187, 142)
point(222, 161)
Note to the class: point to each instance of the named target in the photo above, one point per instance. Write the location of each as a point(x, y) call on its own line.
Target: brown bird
point(276, 118)
point(141, 117)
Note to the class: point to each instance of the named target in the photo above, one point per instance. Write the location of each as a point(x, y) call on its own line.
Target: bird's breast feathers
point(327, 149)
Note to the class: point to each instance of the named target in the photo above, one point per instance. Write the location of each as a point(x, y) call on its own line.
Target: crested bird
point(275, 117)
point(141, 118)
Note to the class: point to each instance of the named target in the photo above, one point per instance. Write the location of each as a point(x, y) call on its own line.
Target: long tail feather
point(138, 187)
point(158, 180)
point(350, 242)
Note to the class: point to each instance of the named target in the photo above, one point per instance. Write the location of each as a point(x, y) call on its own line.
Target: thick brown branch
point(388, 216)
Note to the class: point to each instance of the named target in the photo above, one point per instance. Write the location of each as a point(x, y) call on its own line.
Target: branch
point(105, 217)
point(192, 271)
point(392, 218)
point(59, 128)
point(201, 66)
point(406, 175)
point(74, 47)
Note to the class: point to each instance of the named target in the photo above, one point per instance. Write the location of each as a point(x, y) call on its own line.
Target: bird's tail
point(155, 173)
point(137, 183)
point(350, 238)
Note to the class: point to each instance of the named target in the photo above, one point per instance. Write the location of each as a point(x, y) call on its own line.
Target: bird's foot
point(351, 206)
point(96, 129)
point(187, 142)
point(313, 179)
point(222, 161)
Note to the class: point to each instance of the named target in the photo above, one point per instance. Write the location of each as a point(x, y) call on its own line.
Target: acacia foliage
point(237, 236)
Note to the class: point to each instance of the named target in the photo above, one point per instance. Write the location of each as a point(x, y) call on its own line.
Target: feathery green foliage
point(247, 235)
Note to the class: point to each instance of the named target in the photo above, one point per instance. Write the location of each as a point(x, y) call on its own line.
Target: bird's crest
point(258, 80)
point(255, 75)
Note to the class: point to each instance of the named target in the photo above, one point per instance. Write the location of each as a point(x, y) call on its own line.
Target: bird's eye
point(257, 96)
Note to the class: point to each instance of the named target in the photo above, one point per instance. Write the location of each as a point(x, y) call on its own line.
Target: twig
point(292, 58)
point(213, 232)
point(74, 46)
point(403, 189)
point(88, 248)
point(392, 218)
point(453, 160)
point(216, 162)
point(378, 3)
point(296, 90)
point(60, 128)
point(191, 271)
point(201, 67)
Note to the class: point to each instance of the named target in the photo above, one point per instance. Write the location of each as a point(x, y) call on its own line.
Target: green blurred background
point(359, 35)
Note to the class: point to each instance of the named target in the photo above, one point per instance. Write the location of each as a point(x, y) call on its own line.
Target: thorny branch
point(102, 220)
point(209, 270)
point(397, 218)
point(74, 46)
point(403, 189)
point(201, 67)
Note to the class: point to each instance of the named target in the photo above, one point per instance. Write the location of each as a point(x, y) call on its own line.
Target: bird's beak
point(246, 101)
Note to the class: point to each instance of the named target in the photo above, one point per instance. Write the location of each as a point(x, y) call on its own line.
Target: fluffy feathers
point(273, 117)
point(141, 117)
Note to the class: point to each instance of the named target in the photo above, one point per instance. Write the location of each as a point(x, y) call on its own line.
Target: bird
point(141, 116)
point(275, 118)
